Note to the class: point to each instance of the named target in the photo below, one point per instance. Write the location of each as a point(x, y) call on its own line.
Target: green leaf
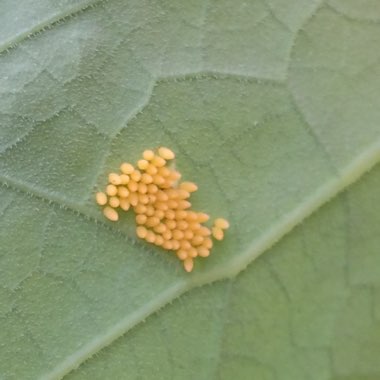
point(272, 108)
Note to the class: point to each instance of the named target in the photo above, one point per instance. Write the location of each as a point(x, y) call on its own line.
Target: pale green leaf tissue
point(273, 108)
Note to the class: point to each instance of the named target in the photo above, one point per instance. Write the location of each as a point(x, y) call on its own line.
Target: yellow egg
point(140, 209)
point(181, 214)
point(161, 206)
point(175, 244)
point(217, 233)
point(182, 254)
point(197, 240)
point(114, 179)
point(221, 223)
point(146, 178)
point(188, 186)
point(193, 252)
point(143, 198)
point(150, 237)
point(167, 235)
point(124, 178)
point(152, 188)
point(188, 264)
point(148, 154)
point(151, 169)
point(149, 210)
point(160, 228)
point(160, 214)
point(178, 234)
point(111, 214)
point(132, 186)
point(114, 202)
point(124, 204)
point(159, 240)
point(111, 190)
point(207, 243)
point(203, 217)
point(188, 234)
point(142, 188)
point(183, 205)
point(101, 198)
point(183, 194)
point(127, 168)
point(142, 164)
point(141, 232)
point(141, 219)
point(168, 245)
point(136, 175)
point(122, 191)
point(184, 244)
point(158, 180)
point(172, 204)
point(183, 225)
point(164, 171)
point(158, 161)
point(152, 221)
point(162, 196)
point(133, 199)
point(203, 252)
point(166, 153)
point(171, 224)
point(204, 231)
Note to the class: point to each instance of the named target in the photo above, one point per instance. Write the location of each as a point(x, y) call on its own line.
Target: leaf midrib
point(47, 23)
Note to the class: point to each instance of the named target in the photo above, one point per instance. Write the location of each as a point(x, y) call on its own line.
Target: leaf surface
point(272, 108)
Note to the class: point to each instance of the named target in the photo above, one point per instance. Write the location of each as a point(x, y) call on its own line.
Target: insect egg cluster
point(164, 217)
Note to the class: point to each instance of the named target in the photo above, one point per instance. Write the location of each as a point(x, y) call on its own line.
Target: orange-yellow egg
point(166, 153)
point(132, 186)
point(141, 219)
point(101, 198)
point(124, 204)
point(122, 191)
point(217, 233)
point(148, 154)
point(114, 202)
point(188, 186)
point(188, 264)
point(114, 179)
point(124, 178)
point(135, 175)
point(127, 168)
point(221, 223)
point(141, 232)
point(111, 190)
point(142, 164)
point(158, 161)
point(111, 214)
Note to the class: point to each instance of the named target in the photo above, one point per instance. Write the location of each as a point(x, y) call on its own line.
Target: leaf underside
point(272, 108)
